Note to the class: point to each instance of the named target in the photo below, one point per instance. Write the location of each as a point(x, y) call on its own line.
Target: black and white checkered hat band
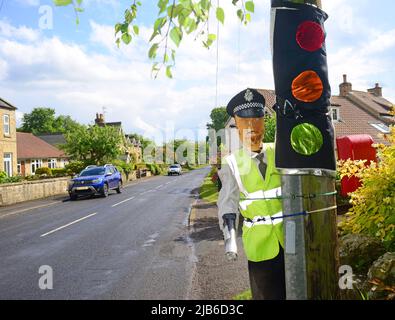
point(248, 106)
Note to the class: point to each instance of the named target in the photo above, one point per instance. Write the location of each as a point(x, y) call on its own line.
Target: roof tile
point(32, 147)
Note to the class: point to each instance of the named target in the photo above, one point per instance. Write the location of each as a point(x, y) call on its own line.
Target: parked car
point(174, 169)
point(96, 180)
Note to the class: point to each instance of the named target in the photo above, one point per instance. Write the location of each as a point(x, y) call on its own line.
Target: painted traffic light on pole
point(305, 153)
point(305, 136)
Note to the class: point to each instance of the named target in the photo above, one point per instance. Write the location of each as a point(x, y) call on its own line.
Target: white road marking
point(69, 224)
point(117, 204)
point(159, 186)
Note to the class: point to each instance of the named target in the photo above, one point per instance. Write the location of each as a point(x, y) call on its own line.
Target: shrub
point(373, 204)
point(154, 168)
point(6, 179)
point(141, 166)
point(75, 167)
point(3, 176)
point(43, 171)
point(124, 167)
point(32, 177)
point(59, 172)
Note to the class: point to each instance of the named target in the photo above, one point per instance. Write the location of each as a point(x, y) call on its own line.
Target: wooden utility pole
point(311, 247)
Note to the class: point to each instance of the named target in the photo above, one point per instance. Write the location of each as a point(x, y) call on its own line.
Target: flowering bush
point(373, 204)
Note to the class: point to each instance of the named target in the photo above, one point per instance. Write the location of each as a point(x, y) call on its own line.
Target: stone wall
point(11, 193)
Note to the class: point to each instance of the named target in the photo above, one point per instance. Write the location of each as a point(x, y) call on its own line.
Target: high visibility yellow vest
point(261, 235)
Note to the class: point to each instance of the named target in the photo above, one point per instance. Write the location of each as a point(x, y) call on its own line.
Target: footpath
point(215, 278)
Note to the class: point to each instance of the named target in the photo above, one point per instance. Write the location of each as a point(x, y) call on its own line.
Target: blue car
point(95, 180)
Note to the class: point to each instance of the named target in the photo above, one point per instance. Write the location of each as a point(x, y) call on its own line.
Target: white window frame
point(36, 163)
point(52, 163)
point(7, 158)
point(381, 127)
point(6, 124)
point(337, 111)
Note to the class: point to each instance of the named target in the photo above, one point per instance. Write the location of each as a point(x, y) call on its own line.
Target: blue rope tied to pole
point(303, 213)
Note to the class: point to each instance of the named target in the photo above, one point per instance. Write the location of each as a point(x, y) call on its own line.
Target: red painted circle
point(310, 36)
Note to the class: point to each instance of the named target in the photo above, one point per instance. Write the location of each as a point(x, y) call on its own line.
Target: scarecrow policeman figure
point(251, 186)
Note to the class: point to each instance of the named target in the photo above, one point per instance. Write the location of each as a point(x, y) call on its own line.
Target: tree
point(40, 120)
point(176, 19)
point(270, 128)
point(93, 144)
point(43, 120)
point(218, 116)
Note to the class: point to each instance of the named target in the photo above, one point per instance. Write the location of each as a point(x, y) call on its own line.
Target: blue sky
point(79, 70)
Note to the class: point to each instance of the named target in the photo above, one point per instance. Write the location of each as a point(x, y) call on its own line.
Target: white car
point(174, 169)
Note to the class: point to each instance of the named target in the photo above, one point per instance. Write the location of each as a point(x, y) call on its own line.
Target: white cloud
point(21, 33)
point(3, 69)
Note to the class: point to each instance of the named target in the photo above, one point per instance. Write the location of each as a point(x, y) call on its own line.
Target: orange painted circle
point(307, 87)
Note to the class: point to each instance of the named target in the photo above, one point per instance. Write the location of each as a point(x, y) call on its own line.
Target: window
point(35, 164)
point(52, 163)
point(6, 124)
point(381, 127)
point(8, 164)
point(19, 167)
point(335, 114)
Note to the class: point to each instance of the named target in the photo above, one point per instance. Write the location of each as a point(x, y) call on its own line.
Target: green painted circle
point(306, 139)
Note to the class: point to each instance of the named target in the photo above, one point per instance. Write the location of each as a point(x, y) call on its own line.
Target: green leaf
point(162, 4)
point(62, 2)
point(152, 51)
point(220, 15)
point(240, 14)
point(250, 6)
point(126, 38)
point(155, 67)
point(118, 27)
point(210, 39)
point(136, 29)
point(168, 72)
point(176, 35)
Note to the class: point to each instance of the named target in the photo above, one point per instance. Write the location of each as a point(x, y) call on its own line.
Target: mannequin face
point(251, 132)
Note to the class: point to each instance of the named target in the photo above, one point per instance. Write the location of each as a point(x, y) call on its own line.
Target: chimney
point(99, 119)
point(346, 87)
point(377, 90)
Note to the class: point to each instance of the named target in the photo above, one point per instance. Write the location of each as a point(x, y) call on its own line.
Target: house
point(352, 112)
point(8, 149)
point(131, 148)
point(34, 153)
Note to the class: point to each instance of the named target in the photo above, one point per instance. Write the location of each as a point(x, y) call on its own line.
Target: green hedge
point(43, 171)
point(6, 179)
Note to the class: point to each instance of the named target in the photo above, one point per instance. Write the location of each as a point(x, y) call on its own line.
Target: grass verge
point(246, 295)
point(208, 191)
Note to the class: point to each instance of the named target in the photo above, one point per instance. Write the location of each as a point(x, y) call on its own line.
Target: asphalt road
point(132, 245)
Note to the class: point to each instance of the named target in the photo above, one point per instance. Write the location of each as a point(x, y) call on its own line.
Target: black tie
point(261, 165)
